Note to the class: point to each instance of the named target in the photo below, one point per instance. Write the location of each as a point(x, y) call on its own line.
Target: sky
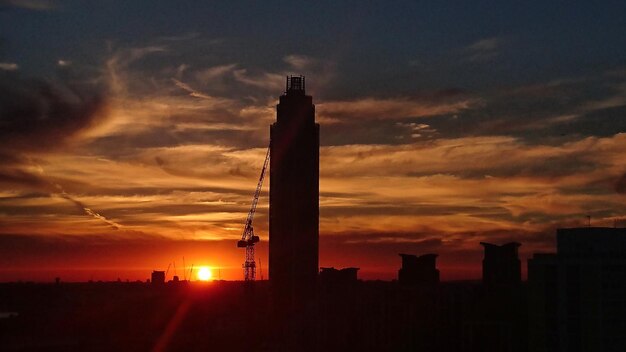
point(132, 133)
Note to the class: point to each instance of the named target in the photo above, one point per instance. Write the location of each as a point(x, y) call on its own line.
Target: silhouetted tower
point(501, 264)
point(294, 195)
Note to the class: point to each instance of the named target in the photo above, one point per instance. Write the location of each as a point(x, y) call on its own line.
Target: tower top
point(295, 85)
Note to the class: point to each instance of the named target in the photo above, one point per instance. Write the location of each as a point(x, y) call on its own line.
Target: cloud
point(8, 66)
point(215, 72)
point(267, 81)
point(37, 5)
point(192, 92)
point(18, 177)
point(182, 37)
point(547, 112)
point(419, 130)
point(43, 114)
point(483, 50)
point(487, 44)
point(472, 183)
point(299, 62)
point(87, 210)
point(117, 66)
point(620, 185)
point(478, 157)
point(393, 108)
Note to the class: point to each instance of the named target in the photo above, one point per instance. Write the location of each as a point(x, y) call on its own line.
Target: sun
point(204, 273)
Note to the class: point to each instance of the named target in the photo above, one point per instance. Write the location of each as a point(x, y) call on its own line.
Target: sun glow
point(204, 273)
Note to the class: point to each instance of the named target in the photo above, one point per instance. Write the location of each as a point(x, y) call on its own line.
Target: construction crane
point(248, 238)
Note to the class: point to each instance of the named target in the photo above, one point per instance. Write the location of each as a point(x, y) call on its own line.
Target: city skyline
point(125, 147)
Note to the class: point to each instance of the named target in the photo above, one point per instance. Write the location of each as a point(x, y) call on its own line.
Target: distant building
point(418, 270)
point(577, 296)
point(338, 276)
point(501, 264)
point(158, 277)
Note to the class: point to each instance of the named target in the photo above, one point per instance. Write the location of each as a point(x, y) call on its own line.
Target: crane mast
point(248, 238)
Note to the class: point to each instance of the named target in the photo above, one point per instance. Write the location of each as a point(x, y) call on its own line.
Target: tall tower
point(294, 195)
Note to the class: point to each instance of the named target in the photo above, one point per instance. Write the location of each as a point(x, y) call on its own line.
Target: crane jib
point(247, 231)
point(248, 238)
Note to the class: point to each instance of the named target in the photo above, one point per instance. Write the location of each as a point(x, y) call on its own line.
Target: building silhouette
point(577, 296)
point(332, 276)
point(418, 270)
point(294, 196)
point(501, 264)
point(158, 277)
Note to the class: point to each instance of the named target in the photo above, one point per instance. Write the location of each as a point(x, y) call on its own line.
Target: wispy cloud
point(192, 92)
point(299, 62)
point(483, 50)
point(9, 66)
point(120, 60)
point(215, 72)
point(37, 5)
point(265, 80)
point(41, 114)
point(393, 108)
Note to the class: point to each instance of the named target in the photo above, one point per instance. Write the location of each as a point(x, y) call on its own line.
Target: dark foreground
point(230, 316)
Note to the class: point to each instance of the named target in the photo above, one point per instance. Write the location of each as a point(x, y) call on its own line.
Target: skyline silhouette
point(501, 313)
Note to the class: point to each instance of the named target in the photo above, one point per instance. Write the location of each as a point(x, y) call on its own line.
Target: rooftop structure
point(418, 270)
point(338, 276)
point(501, 264)
point(158, 277)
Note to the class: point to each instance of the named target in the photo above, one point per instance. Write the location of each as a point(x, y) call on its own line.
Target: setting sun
point(204, 274)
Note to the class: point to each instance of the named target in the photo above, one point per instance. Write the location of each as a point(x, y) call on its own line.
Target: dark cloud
point(381, 208)
point(35, 5)
point(40, 114)
point(434, 240)
point(554, 111)
point(20, 177)
point(363, 132)
point(550, 167)
point(126, 146)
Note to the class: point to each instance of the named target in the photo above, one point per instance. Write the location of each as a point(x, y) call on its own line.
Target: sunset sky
point(132, 133)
